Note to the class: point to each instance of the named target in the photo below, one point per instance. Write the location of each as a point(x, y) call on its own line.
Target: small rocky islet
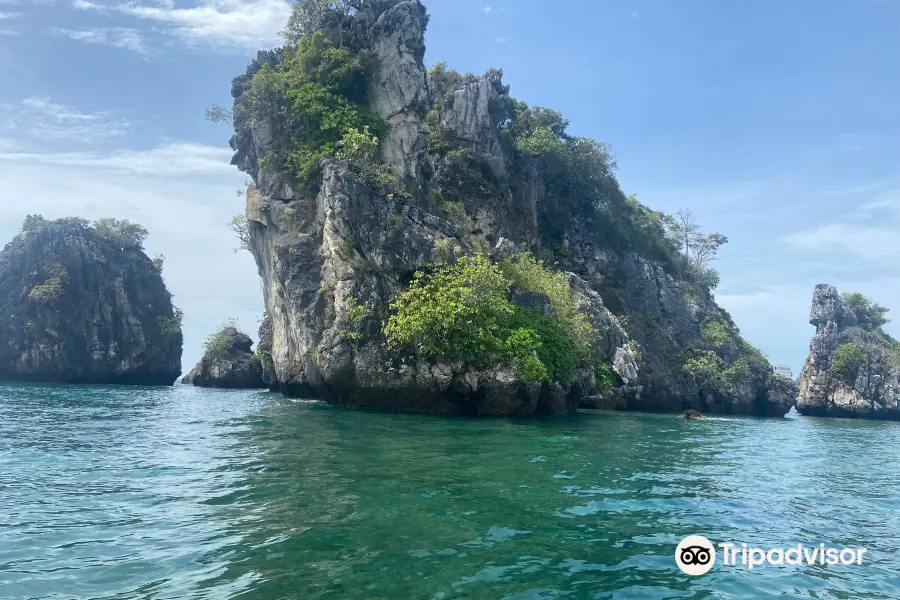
point(81, 302)
point(439, 247)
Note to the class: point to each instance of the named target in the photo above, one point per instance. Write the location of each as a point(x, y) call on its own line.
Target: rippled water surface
point(110, 492)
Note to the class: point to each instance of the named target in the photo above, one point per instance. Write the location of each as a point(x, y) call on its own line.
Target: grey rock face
point(474, 115)
point(236, 368)
point(270, 377)
point(77, 308)
point(398, 94)
point(872, 392)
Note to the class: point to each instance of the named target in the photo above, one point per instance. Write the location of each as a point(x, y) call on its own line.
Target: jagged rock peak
point(829, 306)
point(80, 307)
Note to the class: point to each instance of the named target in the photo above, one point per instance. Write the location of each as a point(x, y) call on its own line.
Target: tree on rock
point(870, 315)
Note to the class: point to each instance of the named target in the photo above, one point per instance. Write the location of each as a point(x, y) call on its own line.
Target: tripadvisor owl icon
point(695, 555)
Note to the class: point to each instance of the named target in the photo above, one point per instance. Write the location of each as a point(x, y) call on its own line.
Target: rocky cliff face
point(237, 367)
point(76, 307)
point(850, 372)
point(325, 250)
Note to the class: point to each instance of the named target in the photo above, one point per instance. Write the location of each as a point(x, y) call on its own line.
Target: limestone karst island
point(435, 348)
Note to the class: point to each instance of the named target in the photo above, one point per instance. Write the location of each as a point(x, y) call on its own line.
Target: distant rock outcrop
point(853, 369)
point(231, 364)
point(80, 307)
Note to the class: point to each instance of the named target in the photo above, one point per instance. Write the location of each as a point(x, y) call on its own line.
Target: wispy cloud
point(174, 159)
point(871, 243)
point(116, 37)
point(5, 16)
point(500, 40)
point(46, 121)
point(241, 23)
point(870, 232)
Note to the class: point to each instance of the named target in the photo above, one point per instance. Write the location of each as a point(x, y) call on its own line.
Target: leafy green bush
point(846, 361)
point(317, 95)
point(869, 314)
point(218, 344)
point(358, 145)
point(527, 274)
point(605, 378)
point(122, 232)
point(33, 223)
point(463, 312)
point(457, 312)
point(52, 287)
point(720, 336)
point(556, 350)
point(170, 325)
point(356, 313)
point(49, 290)
point(523, 346)
point(710, 371)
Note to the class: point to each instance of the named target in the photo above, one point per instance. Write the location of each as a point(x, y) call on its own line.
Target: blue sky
point(775, 122)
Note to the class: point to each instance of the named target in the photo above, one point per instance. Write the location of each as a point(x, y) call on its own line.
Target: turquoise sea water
point(109, 492)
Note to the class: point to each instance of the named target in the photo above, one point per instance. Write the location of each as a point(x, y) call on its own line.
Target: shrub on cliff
point(121, 232)
point(218, 344)
point(33, 223)
point(870, 315)
point(463, 312)
point(846, 361)
point(319, 95)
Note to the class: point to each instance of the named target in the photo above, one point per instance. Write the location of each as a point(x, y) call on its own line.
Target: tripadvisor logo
point(696, 555)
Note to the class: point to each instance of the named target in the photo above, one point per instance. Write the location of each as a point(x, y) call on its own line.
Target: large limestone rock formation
point(872, 387)
point(324, 251)
point(77, 307)
point(237, 367)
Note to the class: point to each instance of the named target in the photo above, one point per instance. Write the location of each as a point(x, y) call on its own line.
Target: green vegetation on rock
point(870, 315)
point(318, 97)
point(121, 232)
point(33, 223)
point(463, 312)
point(217, 344)
point(846, 361)
point(52, 287)
point(724, 358)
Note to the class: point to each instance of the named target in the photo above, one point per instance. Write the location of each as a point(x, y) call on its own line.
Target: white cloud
point(186, 216)
point(172, 160)
point(871, 232)
point(9, 32)
point(41, 119)
point(500, 40)
point(487, 10)
point(871, 243)
point(117, 37)
point(9, 15)
point(243, 23)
